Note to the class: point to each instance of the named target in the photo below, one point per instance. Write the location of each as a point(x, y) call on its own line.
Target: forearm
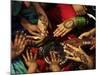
point(89, 62)
point(27, 25)
point(41, 13)
point(80, 21)
point(92, 31)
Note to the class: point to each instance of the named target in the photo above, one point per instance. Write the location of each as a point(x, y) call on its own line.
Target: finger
point(51, 56)
point(19, 52)
point(71, 58)
point(35, 56)
point(23, 40)
point(61, 32)
point(47, 60)
point(20, 38)
point(31, 56)
point(54, 56)
point(58, 28)
point(91, 48)
point(24, 44)
point(27, 53)
point(16, 38)
point(38, 41)
point(68, 52)
point(24, 57)
point(34, 33)
point(32, 37)
point(81, 36)
point(58, 56)
point(73, 47)
point(66, 32)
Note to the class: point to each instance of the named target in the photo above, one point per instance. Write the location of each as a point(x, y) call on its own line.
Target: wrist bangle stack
point(80, 21)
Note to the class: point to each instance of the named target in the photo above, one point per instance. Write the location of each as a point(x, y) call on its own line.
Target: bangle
point(80, 21)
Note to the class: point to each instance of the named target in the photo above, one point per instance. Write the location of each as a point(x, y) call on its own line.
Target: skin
point(63, 28)
point(54, 62)
point(89, 34)
point(19, 44)
point(34, 30)
point(78, 55)
point(30, 61)
point(39, 31)
point(80, 9)
point(43, 19)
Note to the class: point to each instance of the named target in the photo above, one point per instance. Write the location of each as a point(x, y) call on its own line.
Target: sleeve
point(66, 11)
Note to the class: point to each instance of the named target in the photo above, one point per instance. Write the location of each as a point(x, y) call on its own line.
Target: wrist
point(80, 21)
point(55, 67)
point(68, 24)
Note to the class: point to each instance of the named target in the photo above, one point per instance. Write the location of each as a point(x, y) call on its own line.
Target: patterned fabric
point(17, 67)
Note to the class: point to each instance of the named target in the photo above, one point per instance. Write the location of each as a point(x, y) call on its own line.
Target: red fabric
point(34, 50)
point(67, 68)
point(61, 12)
point(67, 11)
point(42, 64)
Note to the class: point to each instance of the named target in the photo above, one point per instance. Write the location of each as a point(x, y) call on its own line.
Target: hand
point(85, 34)
point(80, 9)
point(30, 61)
point(19, 44)
point(54, 63)
point(34, 30)
point(35, 40)
point(42, 19)
point(88, 34)
point(43, 24)
point(63, 28)
point(78, 55)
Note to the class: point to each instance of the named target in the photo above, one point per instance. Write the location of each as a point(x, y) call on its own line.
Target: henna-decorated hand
point(78, 55)
point(30, 61)
point(64, 28)
point(19, 44)
point(80, 9)
point(34, 30)
point(54, 62)
point(43, 24)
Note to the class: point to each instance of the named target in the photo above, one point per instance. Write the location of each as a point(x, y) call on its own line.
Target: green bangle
point(80, 21)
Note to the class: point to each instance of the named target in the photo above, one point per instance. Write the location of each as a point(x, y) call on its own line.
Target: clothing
point(19, 9)
point(18, 67)
point(60, 12)
point(40, 61)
